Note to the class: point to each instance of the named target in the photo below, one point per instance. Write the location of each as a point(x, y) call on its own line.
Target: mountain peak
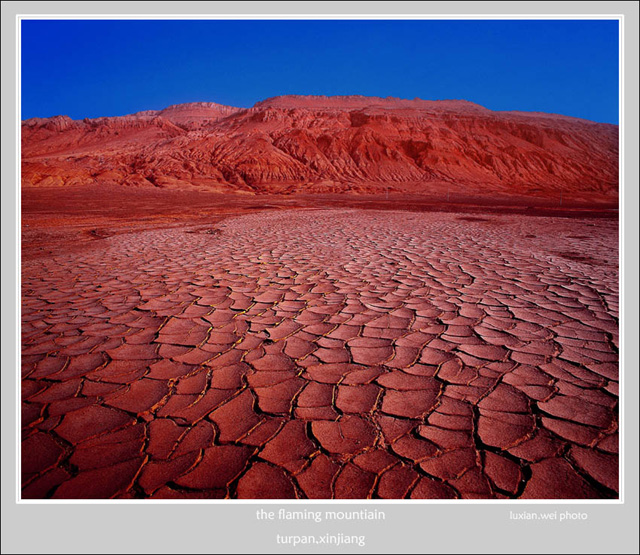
point(359, 102)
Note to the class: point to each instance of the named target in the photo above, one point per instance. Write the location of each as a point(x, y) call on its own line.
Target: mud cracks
point(326, 353)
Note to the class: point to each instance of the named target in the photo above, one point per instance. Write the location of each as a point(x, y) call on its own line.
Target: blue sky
point(84, 68)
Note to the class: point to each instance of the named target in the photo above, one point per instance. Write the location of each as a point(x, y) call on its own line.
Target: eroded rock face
point(328, 144)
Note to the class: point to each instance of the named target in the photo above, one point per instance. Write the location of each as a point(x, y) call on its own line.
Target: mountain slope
point(321, 144)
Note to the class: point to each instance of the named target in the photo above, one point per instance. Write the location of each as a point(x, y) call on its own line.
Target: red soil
point(190, 345)
point(56, 220)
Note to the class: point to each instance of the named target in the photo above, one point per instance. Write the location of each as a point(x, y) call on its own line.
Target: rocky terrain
point(317, 144)
point(320, 297)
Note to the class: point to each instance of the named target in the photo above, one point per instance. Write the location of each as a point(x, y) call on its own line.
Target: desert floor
point(184, 345)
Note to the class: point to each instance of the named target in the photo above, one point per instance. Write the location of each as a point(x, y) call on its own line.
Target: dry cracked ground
point(326, 354)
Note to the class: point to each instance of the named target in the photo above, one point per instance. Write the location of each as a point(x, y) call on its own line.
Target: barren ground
point(181, 345)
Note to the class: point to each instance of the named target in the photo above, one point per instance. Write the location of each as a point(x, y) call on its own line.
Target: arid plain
point(320, 298)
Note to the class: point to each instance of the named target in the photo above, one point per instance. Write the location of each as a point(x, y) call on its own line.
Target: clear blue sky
point(106, 68)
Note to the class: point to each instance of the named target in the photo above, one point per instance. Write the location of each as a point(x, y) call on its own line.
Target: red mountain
point(327, 144)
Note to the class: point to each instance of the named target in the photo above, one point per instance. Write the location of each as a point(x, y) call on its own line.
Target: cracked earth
point(326, 354)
